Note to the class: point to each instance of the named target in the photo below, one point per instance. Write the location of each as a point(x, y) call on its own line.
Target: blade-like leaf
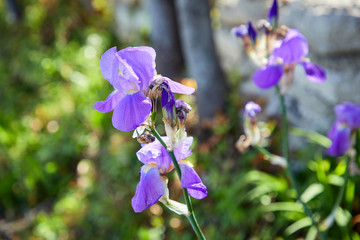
point(311, 192)
point(284, 206)
point(302, 223)
point(313, 137)
point(311, 234)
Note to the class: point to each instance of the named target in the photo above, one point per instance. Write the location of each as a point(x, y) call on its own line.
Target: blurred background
point(66, 173)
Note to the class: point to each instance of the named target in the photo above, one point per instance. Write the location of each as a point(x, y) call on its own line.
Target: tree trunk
point(201, 59)
point(165, 38)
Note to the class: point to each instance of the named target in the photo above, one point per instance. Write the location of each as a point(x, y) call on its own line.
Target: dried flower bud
point(157, 86)
point(264, 25)
point(243, 143)
point(182, 110)
point(146, 138)
point(281, 32)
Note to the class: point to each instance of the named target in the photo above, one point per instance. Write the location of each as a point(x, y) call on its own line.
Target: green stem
point(286, 152)
point(191, 217)
point(262, 150)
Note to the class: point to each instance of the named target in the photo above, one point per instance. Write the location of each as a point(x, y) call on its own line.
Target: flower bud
point(251, 109)
point(168, 106)
point(146, 138)
point(252, 33)
point(240, 31)
point(182, 110)
point(273, 14)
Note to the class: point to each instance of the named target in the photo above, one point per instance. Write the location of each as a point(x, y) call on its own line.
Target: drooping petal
point(348, 113)
point(314, 72)
point(108, 64)
point(142, 61)
point(292, 48)
point(131, 112)
point(191, 181)
point(273, 14)
point(176, 87)
point(340, 137)
point(149, 190)
point(183, 150)
point(268, 76)
point(110, 103)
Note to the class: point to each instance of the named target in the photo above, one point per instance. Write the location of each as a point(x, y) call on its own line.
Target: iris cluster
point(277, 50)
point(137, 88)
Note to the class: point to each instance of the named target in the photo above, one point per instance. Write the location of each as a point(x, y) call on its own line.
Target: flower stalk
point(192, 219)
point(286, 153)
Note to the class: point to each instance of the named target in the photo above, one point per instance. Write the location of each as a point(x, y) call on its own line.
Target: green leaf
point(258, 192)
point(311, 234)
point(335, 180)
point(342, 217)
point(313, 137)
point(302, 223)
point(311, 192)
point(284, 206)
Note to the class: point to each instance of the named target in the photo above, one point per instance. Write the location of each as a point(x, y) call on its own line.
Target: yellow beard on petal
point(132, 91)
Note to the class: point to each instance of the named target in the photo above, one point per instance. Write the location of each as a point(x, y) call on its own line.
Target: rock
point(232, 53)
point(236, 12)
point(331, 27)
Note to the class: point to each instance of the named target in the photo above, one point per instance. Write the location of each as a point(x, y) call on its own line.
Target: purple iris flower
point(287, 52)
point(157, 163)
point(347, 120)
point(251, 109)
point(130, 71)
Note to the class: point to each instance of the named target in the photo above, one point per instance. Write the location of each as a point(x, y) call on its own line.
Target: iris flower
point(286, 54)
point(347, 120)
point(130, 71)
point(157, 163)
